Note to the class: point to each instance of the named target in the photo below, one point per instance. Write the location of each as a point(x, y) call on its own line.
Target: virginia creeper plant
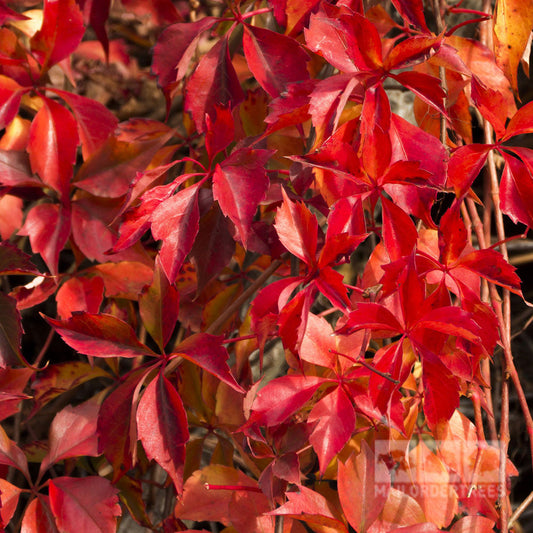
point(276, 204)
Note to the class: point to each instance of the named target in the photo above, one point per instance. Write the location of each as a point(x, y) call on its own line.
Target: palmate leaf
point(84, 504)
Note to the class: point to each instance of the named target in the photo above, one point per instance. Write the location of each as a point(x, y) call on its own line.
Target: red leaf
point(162, 427)
point(412, 11)
point(79, 294)
point(521, 122)
point(111, 169)
point(491, 265)
point(10, 95)
point(72, 434)
point(465, 164)
point(366, 476)
point(116, 427)
point(94, 121)
point(292, 318)
point(427, 88)
point(38, 517)
point(10, 332)
point(282, 397)
point(12, 455)
point(176, 223)
point(473, 524)
point(367, 52)
point(213, 248)
point(214, 82)
point(453, 237)
point(240, 182)
point(312, 508)
point(202, 502)
point(375, 126)
point(331, 284)
point(15, 261)
point(293, 15)
point(516, 190)
point(48, 226)
point(441, 396)
point(174, 50)
point(15, 170)
point(375, 317)
point(125, 279)
point(60, 33)
point(88, 504)
point(410, 50)
point(399, 231)
point(59, 378)
point(292, 108)
point(9, 496)
point(410, 143)
point(100, 335)
point(432, 482)
point(328, 37)
point(297, 229)
point(162, 12)
point(13, 381)
point(220, 131)
point(275, 60)
point(334, 420)
point(490, 104)
point(52, 145)
point(96, 13)
point(159, 308)
point(207, 352)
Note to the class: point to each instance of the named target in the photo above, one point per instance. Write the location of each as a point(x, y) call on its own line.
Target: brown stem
point(479, 229)
point(520, 509)
point(236, 305)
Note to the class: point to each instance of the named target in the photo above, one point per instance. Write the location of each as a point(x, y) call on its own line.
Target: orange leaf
point(512, 28)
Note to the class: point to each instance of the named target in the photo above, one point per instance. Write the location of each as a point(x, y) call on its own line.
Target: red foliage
point(170, 252)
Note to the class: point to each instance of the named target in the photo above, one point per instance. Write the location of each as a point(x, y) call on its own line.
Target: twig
point(520, 509)
point(236, 305)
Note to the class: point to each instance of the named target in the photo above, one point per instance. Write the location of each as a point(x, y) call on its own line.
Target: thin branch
point(237, 304)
